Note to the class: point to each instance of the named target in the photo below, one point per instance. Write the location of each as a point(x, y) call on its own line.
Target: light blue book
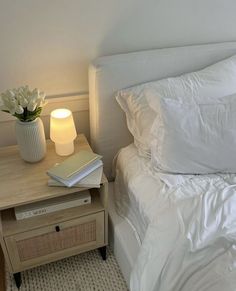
point(93, 180)
point(75, 168)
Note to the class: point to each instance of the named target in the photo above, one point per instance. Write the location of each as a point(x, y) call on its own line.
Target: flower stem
point(25, 113)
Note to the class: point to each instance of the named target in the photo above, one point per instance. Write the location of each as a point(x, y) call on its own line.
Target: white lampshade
point(62, 131)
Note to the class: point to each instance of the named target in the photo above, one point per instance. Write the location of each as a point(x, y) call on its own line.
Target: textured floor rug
point(85, 272)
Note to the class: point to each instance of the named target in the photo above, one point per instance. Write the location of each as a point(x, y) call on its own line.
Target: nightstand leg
point(103, 252)
point(2, 270)
point(17, 277)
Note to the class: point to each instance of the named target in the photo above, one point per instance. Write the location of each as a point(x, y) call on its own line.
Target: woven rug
point(84, 272)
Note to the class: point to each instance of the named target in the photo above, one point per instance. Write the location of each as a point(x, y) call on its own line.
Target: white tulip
point(9, 101)
point(32, 105)
point(42, 103)
point(18, 97)
point(42, 95)
point(39, 102)
point(15, 100)
point(11, 93)
point(25, 91)
point(5, 100)
point(9, 105)
point(19, 109)
point(23, 97)
point(34, 95)
point(23, 101)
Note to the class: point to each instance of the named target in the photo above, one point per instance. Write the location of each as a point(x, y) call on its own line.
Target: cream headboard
point(107, 75)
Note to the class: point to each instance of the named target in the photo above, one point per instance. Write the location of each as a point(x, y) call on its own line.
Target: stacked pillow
point(139, 115)
point(186, 124)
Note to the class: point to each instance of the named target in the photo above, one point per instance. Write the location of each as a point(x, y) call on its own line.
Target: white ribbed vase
point(31, 140)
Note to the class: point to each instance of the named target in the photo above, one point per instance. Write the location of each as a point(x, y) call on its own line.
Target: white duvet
point(190, 244)
point(190, 240)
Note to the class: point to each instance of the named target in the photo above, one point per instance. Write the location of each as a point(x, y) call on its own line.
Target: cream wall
point(49, 43)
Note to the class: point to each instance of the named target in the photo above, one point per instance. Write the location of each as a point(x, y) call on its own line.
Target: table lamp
point(62, 131)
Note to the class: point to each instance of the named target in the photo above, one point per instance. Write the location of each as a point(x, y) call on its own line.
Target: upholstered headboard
point(107, 75)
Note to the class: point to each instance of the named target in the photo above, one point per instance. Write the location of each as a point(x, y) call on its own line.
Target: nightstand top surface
point(23, 183)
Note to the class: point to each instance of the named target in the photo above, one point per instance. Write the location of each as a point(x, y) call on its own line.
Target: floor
point(84, 272)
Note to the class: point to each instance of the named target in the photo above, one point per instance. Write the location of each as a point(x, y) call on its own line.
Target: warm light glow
point(60, 113)
point(62, 131)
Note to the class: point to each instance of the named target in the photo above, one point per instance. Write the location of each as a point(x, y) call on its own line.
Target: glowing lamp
point(62, 131)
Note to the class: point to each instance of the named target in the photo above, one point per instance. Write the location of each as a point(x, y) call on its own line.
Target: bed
point(109, 131)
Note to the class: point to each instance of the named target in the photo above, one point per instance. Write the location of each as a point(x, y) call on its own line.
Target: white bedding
point(187, 228)
point(132, 181)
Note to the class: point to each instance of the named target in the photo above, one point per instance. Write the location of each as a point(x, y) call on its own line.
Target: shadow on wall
point(141, 25)
point(49, 44)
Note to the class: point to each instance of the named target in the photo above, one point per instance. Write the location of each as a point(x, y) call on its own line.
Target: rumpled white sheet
point(190, 240)
point(190, 244)
point(135, 189)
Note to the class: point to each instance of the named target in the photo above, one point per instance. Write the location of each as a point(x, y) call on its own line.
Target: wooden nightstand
point(42, 239)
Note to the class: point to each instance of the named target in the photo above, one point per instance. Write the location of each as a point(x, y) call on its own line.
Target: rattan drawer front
point(36, 246)
point(56, 241)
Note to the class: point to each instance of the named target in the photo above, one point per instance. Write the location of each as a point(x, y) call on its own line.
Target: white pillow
point(212, 82)
point(140, 102)
point(139, 115)
point(192, 138)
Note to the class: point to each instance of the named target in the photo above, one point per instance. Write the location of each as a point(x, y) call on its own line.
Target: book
point(75, 168)
point(93, 180)
point(71, 181)
point(52, 205)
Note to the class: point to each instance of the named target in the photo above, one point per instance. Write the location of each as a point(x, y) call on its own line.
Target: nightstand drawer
point(56, 241)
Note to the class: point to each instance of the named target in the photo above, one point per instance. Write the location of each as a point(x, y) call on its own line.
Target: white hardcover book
point(93, 180)
point(52, 205)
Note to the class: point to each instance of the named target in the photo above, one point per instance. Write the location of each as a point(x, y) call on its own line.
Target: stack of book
point(83, 169)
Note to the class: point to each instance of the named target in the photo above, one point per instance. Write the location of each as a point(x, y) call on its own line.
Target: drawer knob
point(57, 228)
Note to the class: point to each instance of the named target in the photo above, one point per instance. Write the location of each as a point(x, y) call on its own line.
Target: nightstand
point(46, 238)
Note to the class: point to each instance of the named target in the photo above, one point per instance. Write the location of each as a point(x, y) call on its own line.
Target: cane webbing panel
point(56, 241)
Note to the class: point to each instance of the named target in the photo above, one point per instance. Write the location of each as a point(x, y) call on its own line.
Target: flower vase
point(30, 137)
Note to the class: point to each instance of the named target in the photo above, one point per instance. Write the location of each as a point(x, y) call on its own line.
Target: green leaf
point(27, 116)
